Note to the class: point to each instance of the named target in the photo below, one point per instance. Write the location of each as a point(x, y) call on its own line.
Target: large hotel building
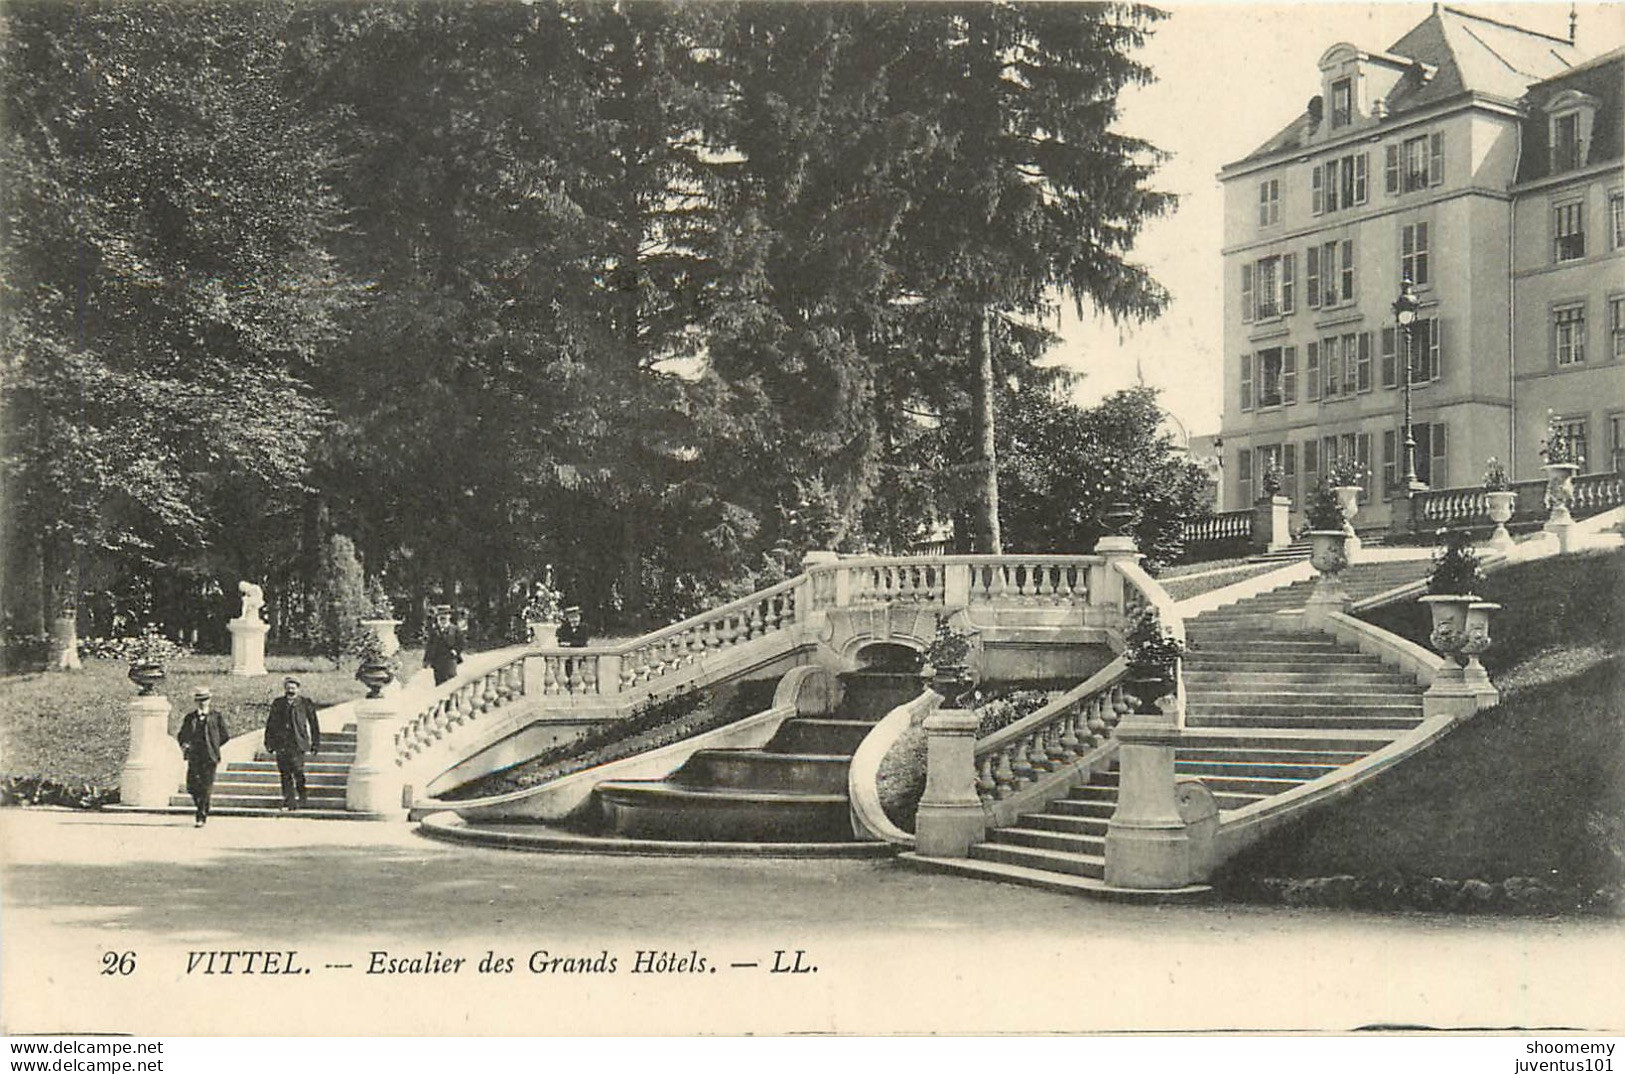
point(1480, 161)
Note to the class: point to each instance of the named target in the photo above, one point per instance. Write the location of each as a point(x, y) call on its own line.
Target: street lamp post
point(1405, 315)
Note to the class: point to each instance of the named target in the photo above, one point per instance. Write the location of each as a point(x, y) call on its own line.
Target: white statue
point(253, 601)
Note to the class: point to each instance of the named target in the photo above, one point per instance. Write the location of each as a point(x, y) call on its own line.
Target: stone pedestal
point(154, 768)
point(1148, 842)
point(248, 646)
point(375, 783)
point(950, 820)
point(1271, 524)
point(65, 643)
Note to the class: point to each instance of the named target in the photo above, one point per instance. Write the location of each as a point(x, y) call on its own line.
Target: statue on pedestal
point(253, 601)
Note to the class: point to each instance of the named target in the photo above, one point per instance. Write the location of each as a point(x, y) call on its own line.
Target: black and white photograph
point(739, 518)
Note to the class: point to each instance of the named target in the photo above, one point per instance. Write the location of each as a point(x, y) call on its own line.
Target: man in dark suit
point(573, 632)
point(444, 649)
point(292, 731)
point(202, 733)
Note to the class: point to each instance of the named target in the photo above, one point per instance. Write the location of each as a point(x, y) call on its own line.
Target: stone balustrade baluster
point(1067, 737)
point(1021, 765)
point(572, 683)
point(1035, 752)
point(987, 787)
point(589, 674)
point(1004, 773)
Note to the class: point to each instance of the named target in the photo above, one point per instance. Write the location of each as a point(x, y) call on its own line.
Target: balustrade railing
point(670, 649)
point(1031, 580)
point(896, 581)
point(1596, 493)
point(1045, 741)
point(1593, 494)
point(464, 702)
point(1222, 528)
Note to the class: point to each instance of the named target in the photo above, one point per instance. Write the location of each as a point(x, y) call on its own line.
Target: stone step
point(763, 771)
point(661, 810)
point(1046, 839)
point(269, 802)
point(1367, 723)
point(1100, 809)
point(1076, 824)
point(1285, 738)
point(1386, 705)
point(1208, 678)
point(1299, 771)
point(1250, 785)
point(819, 735)
point(1242, 755)
point(1264, 645)
point(1304, 694)
point(217, 810)
point(1210, 660)
point(1055, 861)
point(311, 767)
point(271, 779)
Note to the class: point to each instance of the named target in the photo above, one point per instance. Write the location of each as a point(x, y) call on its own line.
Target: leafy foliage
point(1323, 511)
point(1149, 646)
point(1456, 568)
point(1495, 476)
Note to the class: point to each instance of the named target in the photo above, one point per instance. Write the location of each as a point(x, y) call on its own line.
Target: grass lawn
point(1183, 587)
point(71, 726)
point(1532, 788)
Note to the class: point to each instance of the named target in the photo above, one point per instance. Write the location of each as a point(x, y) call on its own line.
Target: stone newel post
point(1271, 523)
point(375, 780)
point(1146, 839)
point(154, 767)
point(950, 820)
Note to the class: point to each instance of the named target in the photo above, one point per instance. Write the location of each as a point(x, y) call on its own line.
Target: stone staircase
point(253, 788)
point(1269, 707)
point(791, 790)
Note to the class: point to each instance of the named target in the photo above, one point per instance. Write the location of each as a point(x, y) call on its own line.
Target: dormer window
point(1569, 116)
point(1342, 102)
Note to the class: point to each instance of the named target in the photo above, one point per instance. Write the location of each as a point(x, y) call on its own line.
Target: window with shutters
point(1311, 277)
point(1247, 299)
point(1616, 326)
point(1331, 367)
point(1289, 470)
point(1413, 253)
point(1311, 466)
point(1423, 350)
point(1390, 462)
point(1568, 151)
point(1616, 441)
point(1311, 371)
point(1569, 334)
point(1362, 364)
point(1573, 429)
point(1269, 287)
point(1244, 474)
point(1246, 382)
point(1339, 183)
point(1351, 364)
point(1269, 202)
point(1568, 231)
point(1432, 455)
point(1271, 376)
point(1390, 357)
point(1342, 102)
point(1616, 218)
point(1414, 164)
point(1346, 273)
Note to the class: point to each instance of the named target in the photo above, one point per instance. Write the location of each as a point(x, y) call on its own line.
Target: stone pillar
point(65, 643)
point(956, 585)
point(1272, 524)
point(950, 820)
point(1106, 582)
point(1147, 841)
point(375, 782)
point(154, 768)
point(248, 646)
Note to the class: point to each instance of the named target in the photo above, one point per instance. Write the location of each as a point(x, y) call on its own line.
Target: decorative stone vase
point(1476, 636)
point(952, 681)
point(148, 675)
point(375, 675)
point(1348, 498)
point(385, 630)
point(1449, 612)
point(1328, 550)
point(1501, 506)
point(543, 632)
point(1148, 685)
point(1560, 491)
point(1118, 517)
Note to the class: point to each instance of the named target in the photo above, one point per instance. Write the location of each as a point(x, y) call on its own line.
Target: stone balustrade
point(1462, 507)
point(1079, 721)
point(459, 702)
point(1033, 581)
point(1226, 527)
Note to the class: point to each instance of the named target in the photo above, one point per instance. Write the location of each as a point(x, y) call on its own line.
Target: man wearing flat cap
point(291, 732)
point(202, 733)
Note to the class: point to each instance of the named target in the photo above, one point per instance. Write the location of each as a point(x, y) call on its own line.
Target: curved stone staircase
point(793, 789)
point(1269, 707)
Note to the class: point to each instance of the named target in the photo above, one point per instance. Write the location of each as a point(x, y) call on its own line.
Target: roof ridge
point(1464, 13)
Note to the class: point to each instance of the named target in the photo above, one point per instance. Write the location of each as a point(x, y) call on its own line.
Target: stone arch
point(890, 655)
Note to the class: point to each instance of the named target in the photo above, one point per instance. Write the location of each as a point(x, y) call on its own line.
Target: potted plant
point(1500, 500)
point(381, 620)
point(1347, 479)
point(1561, 462)
point(375, 666)
point(543, 608)
point(1452, 590)
point(1328, 539)
point(1153, 653)
point(947, 663)
point(147, 654)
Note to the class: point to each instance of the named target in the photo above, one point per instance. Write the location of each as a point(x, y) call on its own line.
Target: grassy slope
point(72, 726)
point(1534, 787)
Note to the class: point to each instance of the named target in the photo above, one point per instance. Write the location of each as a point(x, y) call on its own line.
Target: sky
point(1229, 76)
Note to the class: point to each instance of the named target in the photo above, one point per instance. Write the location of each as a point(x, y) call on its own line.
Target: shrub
point(1556, 447)
point(1495, 476)
point(1151, 647)
point(38, 790)
point(1456, 569)
point(1272, 479)
point(1322, 511)
point(340, 598)
point(1345, 472)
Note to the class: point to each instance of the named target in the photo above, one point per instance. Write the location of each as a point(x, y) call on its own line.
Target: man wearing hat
point(291, 731)
point(444, 649)
point(202, 733)
point(572, 632)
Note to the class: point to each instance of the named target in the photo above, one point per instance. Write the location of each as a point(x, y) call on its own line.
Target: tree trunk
point(987, 505)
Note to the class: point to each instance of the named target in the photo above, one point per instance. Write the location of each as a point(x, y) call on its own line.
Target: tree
point(167, 283)
point(1064, 465)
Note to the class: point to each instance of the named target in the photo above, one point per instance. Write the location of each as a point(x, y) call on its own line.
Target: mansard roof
point(1453, 52)
point(1600, 81)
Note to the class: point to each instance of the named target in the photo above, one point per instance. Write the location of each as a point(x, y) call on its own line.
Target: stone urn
point(375, 675)
point(1501, 506)
point(952, 681)
point(384, 629)
point(1328, 551)
point(148, 675)
point(1560, 491)
point(1476, 636)
point(1449, 611)
point(1348, 499)
point(1148, 685)
point(543, 632)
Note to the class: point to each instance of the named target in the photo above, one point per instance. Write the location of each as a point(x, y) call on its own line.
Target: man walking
point(291, 731)
point(202, 733)
point(444, 649)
